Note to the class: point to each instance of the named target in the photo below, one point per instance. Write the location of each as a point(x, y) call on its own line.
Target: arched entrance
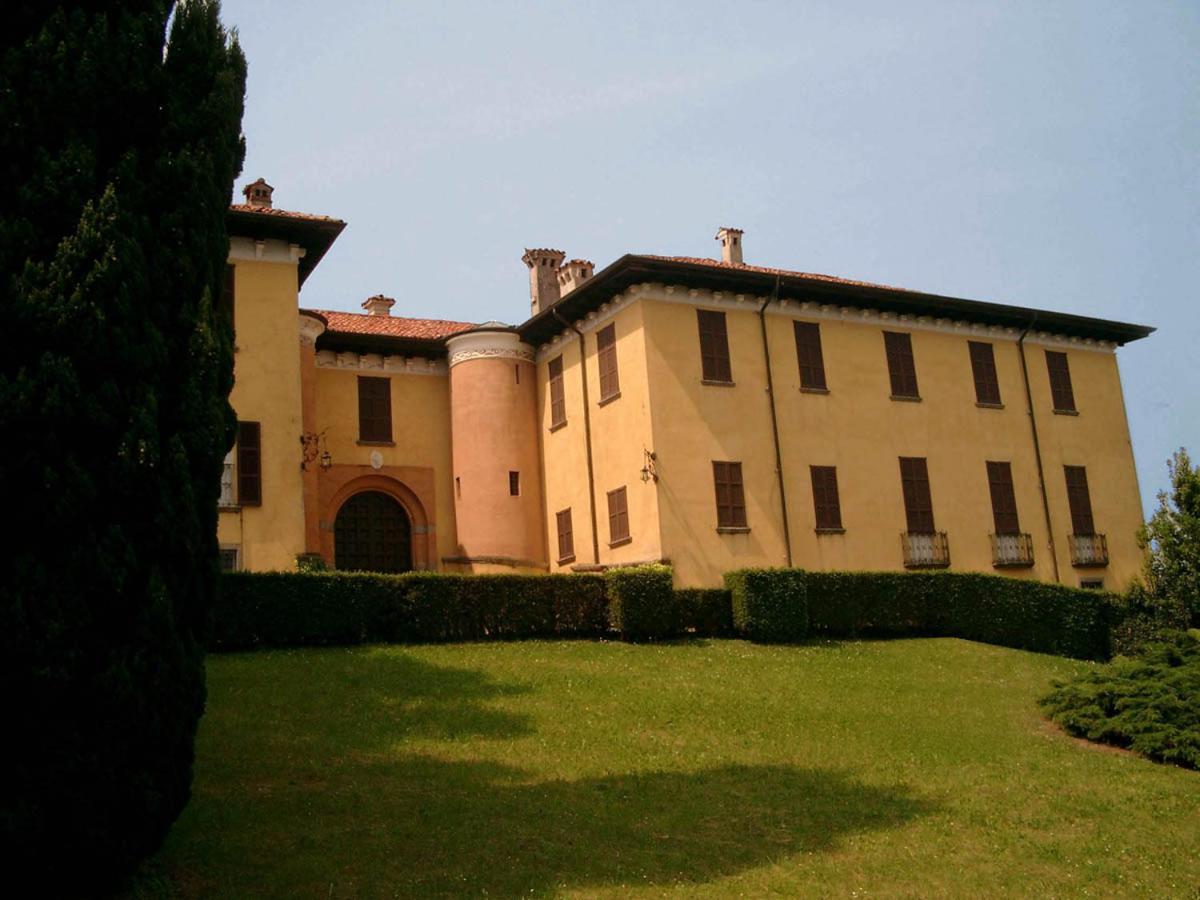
point(372, 533)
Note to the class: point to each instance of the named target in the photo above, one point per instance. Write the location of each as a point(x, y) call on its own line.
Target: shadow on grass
point(344, 816)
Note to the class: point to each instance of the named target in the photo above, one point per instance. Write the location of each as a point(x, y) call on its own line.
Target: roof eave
point(316, 236)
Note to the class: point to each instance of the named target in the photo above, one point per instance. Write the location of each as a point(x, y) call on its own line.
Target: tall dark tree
point(118, 153)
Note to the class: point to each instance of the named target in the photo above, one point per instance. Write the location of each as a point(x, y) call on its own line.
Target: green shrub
point(293, 609)
point(1149, 703)
point(642, 604)
point(1141, 617)
point(707, 612)
point(769, 605)
point(1027, 615)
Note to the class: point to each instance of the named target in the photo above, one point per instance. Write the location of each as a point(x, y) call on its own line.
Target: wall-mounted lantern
point(649, 470)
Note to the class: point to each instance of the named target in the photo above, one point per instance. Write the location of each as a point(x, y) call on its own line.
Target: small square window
point(514, 484)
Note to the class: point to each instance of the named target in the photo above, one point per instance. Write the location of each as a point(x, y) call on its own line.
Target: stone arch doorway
point(372, 533)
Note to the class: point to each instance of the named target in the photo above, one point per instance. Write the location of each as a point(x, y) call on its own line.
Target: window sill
point(377, 443)
point(905, 398)
point(1066, 412)
point(718, 383)
point(990, 405)
point(830, 530)
point(557, 426)
point(621, 542)
point(229, 507)
point(566, 560)
point(733, 529)
point(1016, 564)
point(813, 390)
point(604, 401)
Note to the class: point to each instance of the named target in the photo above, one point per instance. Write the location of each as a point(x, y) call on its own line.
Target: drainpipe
point(762, 321)
point(1037, 447)
point(587, 436)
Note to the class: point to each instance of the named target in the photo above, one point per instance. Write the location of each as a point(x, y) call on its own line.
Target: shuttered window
point(714, 347)
point(901, 368)
point(514, 484)
point(606, 350)
point(983, 368)
point(825, 498)
point(249, 464)
point(918, 505)
point(558, 402)
point(374, 409)
point(618, 516)
point(1004, 498)
point(731, 498)
point(1080, 500)
point(1060, 381)
point(808, 352)
point(566, 536)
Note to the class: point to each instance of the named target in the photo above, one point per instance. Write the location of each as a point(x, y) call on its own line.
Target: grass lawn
point(705, 769)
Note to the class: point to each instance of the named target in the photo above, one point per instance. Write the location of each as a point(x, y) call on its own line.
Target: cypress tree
point(118, 152)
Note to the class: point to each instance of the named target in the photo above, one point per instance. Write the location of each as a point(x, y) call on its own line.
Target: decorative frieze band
point(492, 353)
point(400, 365)
point(809, 310)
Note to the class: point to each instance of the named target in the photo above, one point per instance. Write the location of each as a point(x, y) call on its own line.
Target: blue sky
point(1040, 154)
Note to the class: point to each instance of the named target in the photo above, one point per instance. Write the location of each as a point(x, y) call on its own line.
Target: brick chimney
point(378, 305)
point(731, 245)
point(573, 273)
point(543, 277)
point(258, 193)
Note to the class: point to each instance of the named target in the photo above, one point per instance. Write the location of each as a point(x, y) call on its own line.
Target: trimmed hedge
point(769, 605)
point(642, 603)
point(707, 612)
point(1026, 615)
point(294, 609)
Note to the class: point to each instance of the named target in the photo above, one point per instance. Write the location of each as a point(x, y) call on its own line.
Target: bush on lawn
point(1027, 615)
point(769, 605)
point(642, 604)
point(1149, 703)
point(706, 612)
point(1141, 617)
point(292, 609)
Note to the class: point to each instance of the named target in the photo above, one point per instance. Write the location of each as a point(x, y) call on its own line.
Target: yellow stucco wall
point(420, 432)
point(267, 390)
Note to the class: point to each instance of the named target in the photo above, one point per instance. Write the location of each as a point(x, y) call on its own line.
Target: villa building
point(704, 412)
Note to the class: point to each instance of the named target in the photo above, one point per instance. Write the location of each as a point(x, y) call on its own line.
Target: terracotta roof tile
point(282, 213)
point(390, 326)
point(743, 267)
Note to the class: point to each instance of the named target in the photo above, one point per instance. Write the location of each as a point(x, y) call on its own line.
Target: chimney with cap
point(731, 245)
point(378, 305)
point(543, 277)
point(574, 273)
point(258, 193)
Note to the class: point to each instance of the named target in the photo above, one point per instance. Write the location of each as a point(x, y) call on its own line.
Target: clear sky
point(1042, 154)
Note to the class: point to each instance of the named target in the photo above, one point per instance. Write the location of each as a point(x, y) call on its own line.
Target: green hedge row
point(769, 604)
point(291, 609)
point(642, 604)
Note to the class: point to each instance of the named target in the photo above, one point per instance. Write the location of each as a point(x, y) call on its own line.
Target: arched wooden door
point(372, 533)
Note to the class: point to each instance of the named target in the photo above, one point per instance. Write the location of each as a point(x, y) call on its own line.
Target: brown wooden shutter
point(558, 402)
point(566, 536)
point(825, 498)
point(1004, 498)
point(808, 352)
point(249, 464)
point(901, 367)
point(618, 516)
point(1080, 500)
point(983, 368)
point(714, 346)
point(1060, 381)
point(606, 347)
point(374, 409)
point(731, 498)
point(918, 504)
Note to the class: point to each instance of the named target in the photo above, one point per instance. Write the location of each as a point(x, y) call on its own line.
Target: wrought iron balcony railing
point(1088, 550)
point(1012, 550)
point(925, 551)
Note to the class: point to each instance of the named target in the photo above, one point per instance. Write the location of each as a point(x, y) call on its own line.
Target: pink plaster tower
point(494, 435)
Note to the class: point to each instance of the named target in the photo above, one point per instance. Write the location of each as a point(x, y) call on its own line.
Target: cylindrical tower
point(494, 438)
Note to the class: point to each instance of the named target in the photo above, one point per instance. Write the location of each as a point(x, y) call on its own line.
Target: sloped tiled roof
point(767, 270)
point(282, 213)
point(390, 326)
